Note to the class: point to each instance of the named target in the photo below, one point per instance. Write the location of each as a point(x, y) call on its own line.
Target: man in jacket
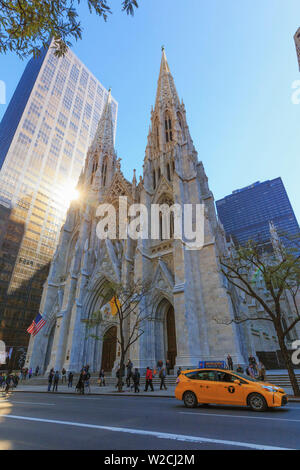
point(149, 377)
point(136, 380)
point(162, 376)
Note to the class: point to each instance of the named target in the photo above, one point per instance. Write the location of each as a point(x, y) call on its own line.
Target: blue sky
point(234, 63)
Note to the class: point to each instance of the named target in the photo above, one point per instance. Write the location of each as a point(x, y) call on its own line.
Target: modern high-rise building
point(44, 136)
point(246, 213)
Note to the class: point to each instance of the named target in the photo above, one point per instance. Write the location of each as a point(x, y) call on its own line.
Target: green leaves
point(27, 26)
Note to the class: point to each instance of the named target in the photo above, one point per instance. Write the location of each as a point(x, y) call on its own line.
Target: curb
point(122, 394)
point(113, 394)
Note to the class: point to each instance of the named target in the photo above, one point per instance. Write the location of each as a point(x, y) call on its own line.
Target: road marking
point(32, 403)
point(239, 416)
point(159, 435)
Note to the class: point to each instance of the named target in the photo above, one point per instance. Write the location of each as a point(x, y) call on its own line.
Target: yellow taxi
point(226, 387)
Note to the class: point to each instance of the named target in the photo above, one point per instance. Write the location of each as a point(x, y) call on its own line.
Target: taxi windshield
point(245, 376)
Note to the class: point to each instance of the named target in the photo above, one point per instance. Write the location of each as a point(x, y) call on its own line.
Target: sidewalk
point(111, 390)
point(96, 390)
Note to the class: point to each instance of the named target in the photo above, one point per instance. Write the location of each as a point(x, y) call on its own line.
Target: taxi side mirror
point(238, 382)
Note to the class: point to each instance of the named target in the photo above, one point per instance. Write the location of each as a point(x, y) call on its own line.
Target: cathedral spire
point(166, 90)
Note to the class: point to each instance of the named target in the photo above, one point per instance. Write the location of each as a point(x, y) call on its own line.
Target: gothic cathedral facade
point(190, 293)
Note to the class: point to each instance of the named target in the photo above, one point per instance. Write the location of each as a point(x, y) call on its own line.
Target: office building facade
point(246, 213)
point(44, 136)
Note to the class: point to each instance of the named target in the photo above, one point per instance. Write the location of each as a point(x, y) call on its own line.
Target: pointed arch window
point(168, 128)
point(104, 171)
point(181, 126)
point(94, 169)
point(154, 179)
point(168, 172)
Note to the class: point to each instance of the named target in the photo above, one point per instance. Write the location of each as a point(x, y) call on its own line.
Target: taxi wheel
point(257, 402)
point(190, 400)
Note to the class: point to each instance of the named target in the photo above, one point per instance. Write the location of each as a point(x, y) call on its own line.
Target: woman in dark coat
point(80, 384)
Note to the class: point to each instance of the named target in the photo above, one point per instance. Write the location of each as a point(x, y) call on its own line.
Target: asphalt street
point(50, 421)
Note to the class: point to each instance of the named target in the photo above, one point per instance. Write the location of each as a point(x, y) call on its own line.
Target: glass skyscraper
point(246, 213)
point(44, 136)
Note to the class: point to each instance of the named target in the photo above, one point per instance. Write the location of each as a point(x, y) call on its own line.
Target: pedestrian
point(55, 381)
point(252, 371)
point(80, 383)
point(252, 361)
point(102, 378)
point(87, 377)
point(168, 366)
point(261, 372)
point(119, 375)
point(179, 371)
point(63, 375)
point(8, 383)
point(129, 367)
point(162, 376)
point(15, 380)
point(50, 379)
point(37, 370)
point(136, 380)
point(229, 362)
point(149, 377)
point(30, 373)
point(70, 379)
point(240, 369)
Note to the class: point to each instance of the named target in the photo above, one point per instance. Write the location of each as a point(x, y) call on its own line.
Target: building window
point(168, 128)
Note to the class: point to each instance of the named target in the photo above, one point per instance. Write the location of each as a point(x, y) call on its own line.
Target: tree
point(26, 26)
point(279, 274)
point(131, 307)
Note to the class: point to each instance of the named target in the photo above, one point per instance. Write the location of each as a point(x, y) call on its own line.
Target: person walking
point(70, 379)
point(37, 370)
point(30, 373)
point(136, 380)
point(63, 375)
point(229, 362)
point(55, 381)
point(50, 379)
point(87, 377)
point(129, 367)
point(80, 383)
point(102, 378)
point(149, 377)
point(252, 361)
point(252, 371)
point(261, 372)
point(179, 371)
point(162, 376)
point(8, 383)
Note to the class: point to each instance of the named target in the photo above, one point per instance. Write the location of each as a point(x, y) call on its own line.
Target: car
point(226, 387)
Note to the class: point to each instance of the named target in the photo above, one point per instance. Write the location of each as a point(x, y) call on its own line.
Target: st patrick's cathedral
point(190, 292)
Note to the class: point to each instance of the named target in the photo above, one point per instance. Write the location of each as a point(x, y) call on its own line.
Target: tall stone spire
point(104, 137)
point(169, 130)
point(101, 157)
point(166, 90)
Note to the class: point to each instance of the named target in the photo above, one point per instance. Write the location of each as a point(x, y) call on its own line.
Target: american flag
point(36, 325)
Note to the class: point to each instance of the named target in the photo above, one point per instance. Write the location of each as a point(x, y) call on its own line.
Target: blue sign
point(211, 365)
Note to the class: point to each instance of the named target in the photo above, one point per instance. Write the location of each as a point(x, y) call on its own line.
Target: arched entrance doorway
point(109, 349)
point(171, 337)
